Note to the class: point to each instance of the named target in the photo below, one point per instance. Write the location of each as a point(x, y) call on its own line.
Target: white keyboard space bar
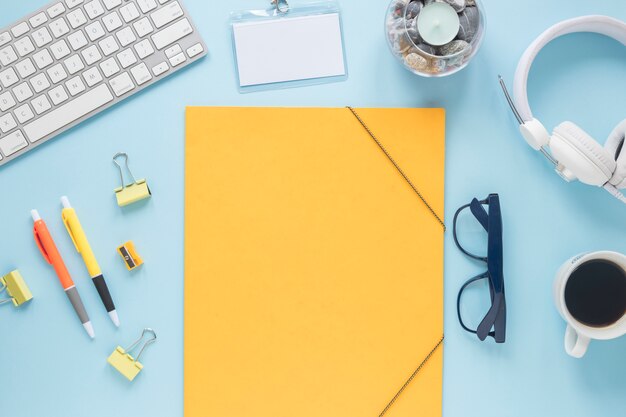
point(67, 113)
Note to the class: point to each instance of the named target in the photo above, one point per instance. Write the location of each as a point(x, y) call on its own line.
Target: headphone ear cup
point(615, 146)
point(581, 155)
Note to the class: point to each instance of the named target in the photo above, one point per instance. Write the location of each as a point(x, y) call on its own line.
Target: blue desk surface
point(48, 366)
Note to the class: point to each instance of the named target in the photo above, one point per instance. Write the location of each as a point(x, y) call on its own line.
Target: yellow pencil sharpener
point(130, 256)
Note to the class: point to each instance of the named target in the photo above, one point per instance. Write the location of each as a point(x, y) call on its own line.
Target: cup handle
point(575, 344)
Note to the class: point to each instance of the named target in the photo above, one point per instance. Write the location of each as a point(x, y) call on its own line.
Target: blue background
point(49, 367)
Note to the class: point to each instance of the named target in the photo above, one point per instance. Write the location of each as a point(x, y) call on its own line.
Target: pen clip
point(69, 229)
point(41, 248)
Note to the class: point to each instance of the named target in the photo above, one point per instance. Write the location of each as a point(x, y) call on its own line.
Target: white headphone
point(575, 154)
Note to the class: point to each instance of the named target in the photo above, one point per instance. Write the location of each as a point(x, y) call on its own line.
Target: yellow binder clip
point(133, 192)
point(125, 364)
point(16, 288)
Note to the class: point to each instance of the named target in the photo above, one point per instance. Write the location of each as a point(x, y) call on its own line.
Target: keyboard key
point(147, 5)
point(7, 55)
point(68, 113)
point(144, 49)
point(77, 40)
point(43, 59)
point(92, 76)
point(167, 14)
point(38, 20)
point(58, 95)
point(25, 68)
point(109, 67)
point(108, 46)
point(143, 27)
point(8, 77)
point(91, 55)
point(141, 74)
point(57, 73)
point(19, 30)
point(55, 10)
point(195, 50)
point(24, 46)
point(163, 1)
point(160, 68)
point(59, 27)
point(74, 64)
point(24, 113)
point(129, 12)
point(42, 37)
point(111, 4)
point(41, 104)
point(7, 123)
point(22, 92)
point(94, 9)
point(178, 59)
point(76, 18)
point(39, 82)
point(112, 21)
point(126, 36)
point(173, 50)
point(60, 49)
point(75, 86)
point(13, 143)
point(73, 3)
point(171, 34)
point(122, 84)
point(126, 58)
point(6, 101)
point(95, 31)
point(4, 38)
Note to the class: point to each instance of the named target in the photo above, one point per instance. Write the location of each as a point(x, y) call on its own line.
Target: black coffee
point(595, 293)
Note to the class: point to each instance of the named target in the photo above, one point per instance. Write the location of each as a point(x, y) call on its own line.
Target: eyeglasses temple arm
point(480, 213)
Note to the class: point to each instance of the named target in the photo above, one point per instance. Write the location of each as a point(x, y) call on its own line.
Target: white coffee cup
point(578, 335)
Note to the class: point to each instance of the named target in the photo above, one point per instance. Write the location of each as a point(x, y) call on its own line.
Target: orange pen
point(51, 254)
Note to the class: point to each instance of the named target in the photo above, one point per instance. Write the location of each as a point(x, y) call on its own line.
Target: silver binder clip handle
point(3, 287)
point(282, 6)
point(120, 155)
point(145, 345)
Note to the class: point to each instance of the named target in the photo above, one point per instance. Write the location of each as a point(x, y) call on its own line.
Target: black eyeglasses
point(494, 322)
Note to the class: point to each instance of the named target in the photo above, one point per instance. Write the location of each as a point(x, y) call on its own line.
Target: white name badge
point(300, 47)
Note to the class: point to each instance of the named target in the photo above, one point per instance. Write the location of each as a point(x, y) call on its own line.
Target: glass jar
point(405, 32)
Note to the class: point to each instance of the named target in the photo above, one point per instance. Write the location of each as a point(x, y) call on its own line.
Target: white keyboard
point(74, 58)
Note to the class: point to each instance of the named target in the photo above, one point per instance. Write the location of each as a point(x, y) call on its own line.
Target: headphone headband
point(603, 25)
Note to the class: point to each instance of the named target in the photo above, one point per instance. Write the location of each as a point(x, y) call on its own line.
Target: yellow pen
point(77, 234)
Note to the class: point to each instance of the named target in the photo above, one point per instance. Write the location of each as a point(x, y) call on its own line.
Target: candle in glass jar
point(438, 23)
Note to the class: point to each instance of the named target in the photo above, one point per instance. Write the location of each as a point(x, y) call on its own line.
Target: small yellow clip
point(133, 192)
point(16, 288)
point(131, 258)
point(125, 364)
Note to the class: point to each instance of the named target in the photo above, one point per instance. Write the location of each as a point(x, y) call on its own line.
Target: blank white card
point(289, 49)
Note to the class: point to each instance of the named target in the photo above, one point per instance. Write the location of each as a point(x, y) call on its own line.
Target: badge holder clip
point(282, 6)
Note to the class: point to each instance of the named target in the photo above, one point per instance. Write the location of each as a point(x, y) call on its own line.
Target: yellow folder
point(313, 272)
